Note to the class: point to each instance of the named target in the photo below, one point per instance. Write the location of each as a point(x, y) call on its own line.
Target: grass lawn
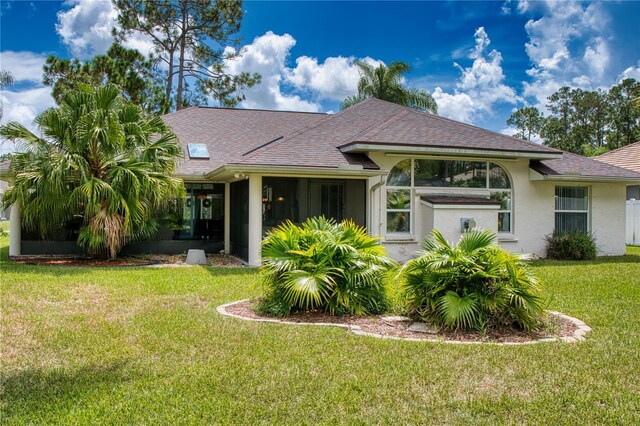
point(138, 345)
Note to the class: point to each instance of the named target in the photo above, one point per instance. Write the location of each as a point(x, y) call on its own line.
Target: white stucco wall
point(533, 206)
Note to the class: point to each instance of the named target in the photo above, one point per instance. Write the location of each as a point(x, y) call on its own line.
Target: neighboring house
point(397, 171)
point(627, 157)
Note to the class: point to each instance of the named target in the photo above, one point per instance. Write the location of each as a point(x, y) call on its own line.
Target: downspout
point(383, 179)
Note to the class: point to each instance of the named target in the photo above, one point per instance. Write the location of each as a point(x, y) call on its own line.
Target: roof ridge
point(521, 141)
point(243, 109)
point(377, 127)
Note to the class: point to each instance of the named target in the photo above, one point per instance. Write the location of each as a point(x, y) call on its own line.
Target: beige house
point(397, 171)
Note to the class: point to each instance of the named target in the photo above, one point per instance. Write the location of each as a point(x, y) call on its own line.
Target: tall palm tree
point(386, 83)
point(101, 159)
point(6, 79)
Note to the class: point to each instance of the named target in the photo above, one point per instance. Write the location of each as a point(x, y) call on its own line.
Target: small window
point(571, 209)
point(399, 211)
point(504, 214)
point(198, 150)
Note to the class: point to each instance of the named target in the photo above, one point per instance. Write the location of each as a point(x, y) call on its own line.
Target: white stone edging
point(579, 334)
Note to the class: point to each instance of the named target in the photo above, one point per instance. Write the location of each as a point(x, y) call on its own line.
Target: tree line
point(584, 122)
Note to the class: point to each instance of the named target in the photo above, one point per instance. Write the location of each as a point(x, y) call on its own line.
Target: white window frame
point(391, 236)
point(587, 211)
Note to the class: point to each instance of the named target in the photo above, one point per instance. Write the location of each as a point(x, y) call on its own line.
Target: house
point(395, 170)
point(627, 157)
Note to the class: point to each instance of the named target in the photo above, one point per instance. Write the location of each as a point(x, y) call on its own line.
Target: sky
point(481, 60)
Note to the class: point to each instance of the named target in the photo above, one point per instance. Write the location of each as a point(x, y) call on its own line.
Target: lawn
point(139, 345)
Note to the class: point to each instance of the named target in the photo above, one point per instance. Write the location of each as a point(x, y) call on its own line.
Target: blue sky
point(480, 60)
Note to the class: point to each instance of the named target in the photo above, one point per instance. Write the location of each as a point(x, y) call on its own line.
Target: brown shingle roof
point(278, 138)
point(229, 133)
point(376, 121)
point(627, 157)
point(572, 164)
point(411, 127)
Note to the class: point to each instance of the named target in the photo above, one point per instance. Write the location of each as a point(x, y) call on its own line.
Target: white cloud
point(267, 56)
point(479, 87)
point(335, 79)
point(568, 46)
point(25, 66)
point(24, 106)
point(85, 28)
point(283, 87)
point(631, 72)
point(457, 106)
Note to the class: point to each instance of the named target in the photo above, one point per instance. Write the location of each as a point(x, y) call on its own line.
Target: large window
point(572, 209)
point(411, 174)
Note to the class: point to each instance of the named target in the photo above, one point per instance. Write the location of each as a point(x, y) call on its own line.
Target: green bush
point(474, 285)
point(571, 246)
point(337, 268)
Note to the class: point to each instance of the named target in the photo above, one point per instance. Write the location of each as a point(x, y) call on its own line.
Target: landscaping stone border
point(579, 334)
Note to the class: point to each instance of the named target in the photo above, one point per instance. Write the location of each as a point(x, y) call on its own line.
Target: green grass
point(137, 345)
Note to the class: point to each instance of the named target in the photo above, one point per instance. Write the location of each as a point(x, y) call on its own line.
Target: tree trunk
point(169, 80)
point(183, 42)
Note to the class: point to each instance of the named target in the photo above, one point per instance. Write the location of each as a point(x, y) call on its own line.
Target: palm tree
point(386, 83)
point(102, 160)
point(6, 79)
point(474, 284)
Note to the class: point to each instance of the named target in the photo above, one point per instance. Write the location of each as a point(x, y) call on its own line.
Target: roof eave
point(229, 170)
point(597, 179)
point(487, 153)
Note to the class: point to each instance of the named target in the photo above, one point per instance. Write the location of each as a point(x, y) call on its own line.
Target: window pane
point(445, 173)
point(498, 178)
point(400, 175)
point(398, 199)
point(504, 197)
point(398, 221)
point(504, 222)
point(572, 198)
point(571, 222)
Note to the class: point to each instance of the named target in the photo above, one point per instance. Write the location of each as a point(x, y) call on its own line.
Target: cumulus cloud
point(298, 88)
point(457, 106)
point(568, 45)
point(267, 56)
point(25, 66)
point(479, 87)
point(631, 72)
point(334, 79)
point(24, 106)
point(27, 97)
point(85, 28)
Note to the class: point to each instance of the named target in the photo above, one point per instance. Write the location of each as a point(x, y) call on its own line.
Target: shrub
point(473, 285)
point(571, 246)
point(323, 265)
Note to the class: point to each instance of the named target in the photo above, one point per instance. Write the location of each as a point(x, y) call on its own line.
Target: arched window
point(411, 174)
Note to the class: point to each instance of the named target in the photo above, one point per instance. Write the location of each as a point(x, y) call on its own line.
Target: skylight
point(198, 150)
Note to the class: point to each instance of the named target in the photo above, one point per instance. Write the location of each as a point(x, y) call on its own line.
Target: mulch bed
point(142, 260)
point(555, 328)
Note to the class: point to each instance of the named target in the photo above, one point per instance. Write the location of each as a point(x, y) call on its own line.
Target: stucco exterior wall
point(533, 209)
